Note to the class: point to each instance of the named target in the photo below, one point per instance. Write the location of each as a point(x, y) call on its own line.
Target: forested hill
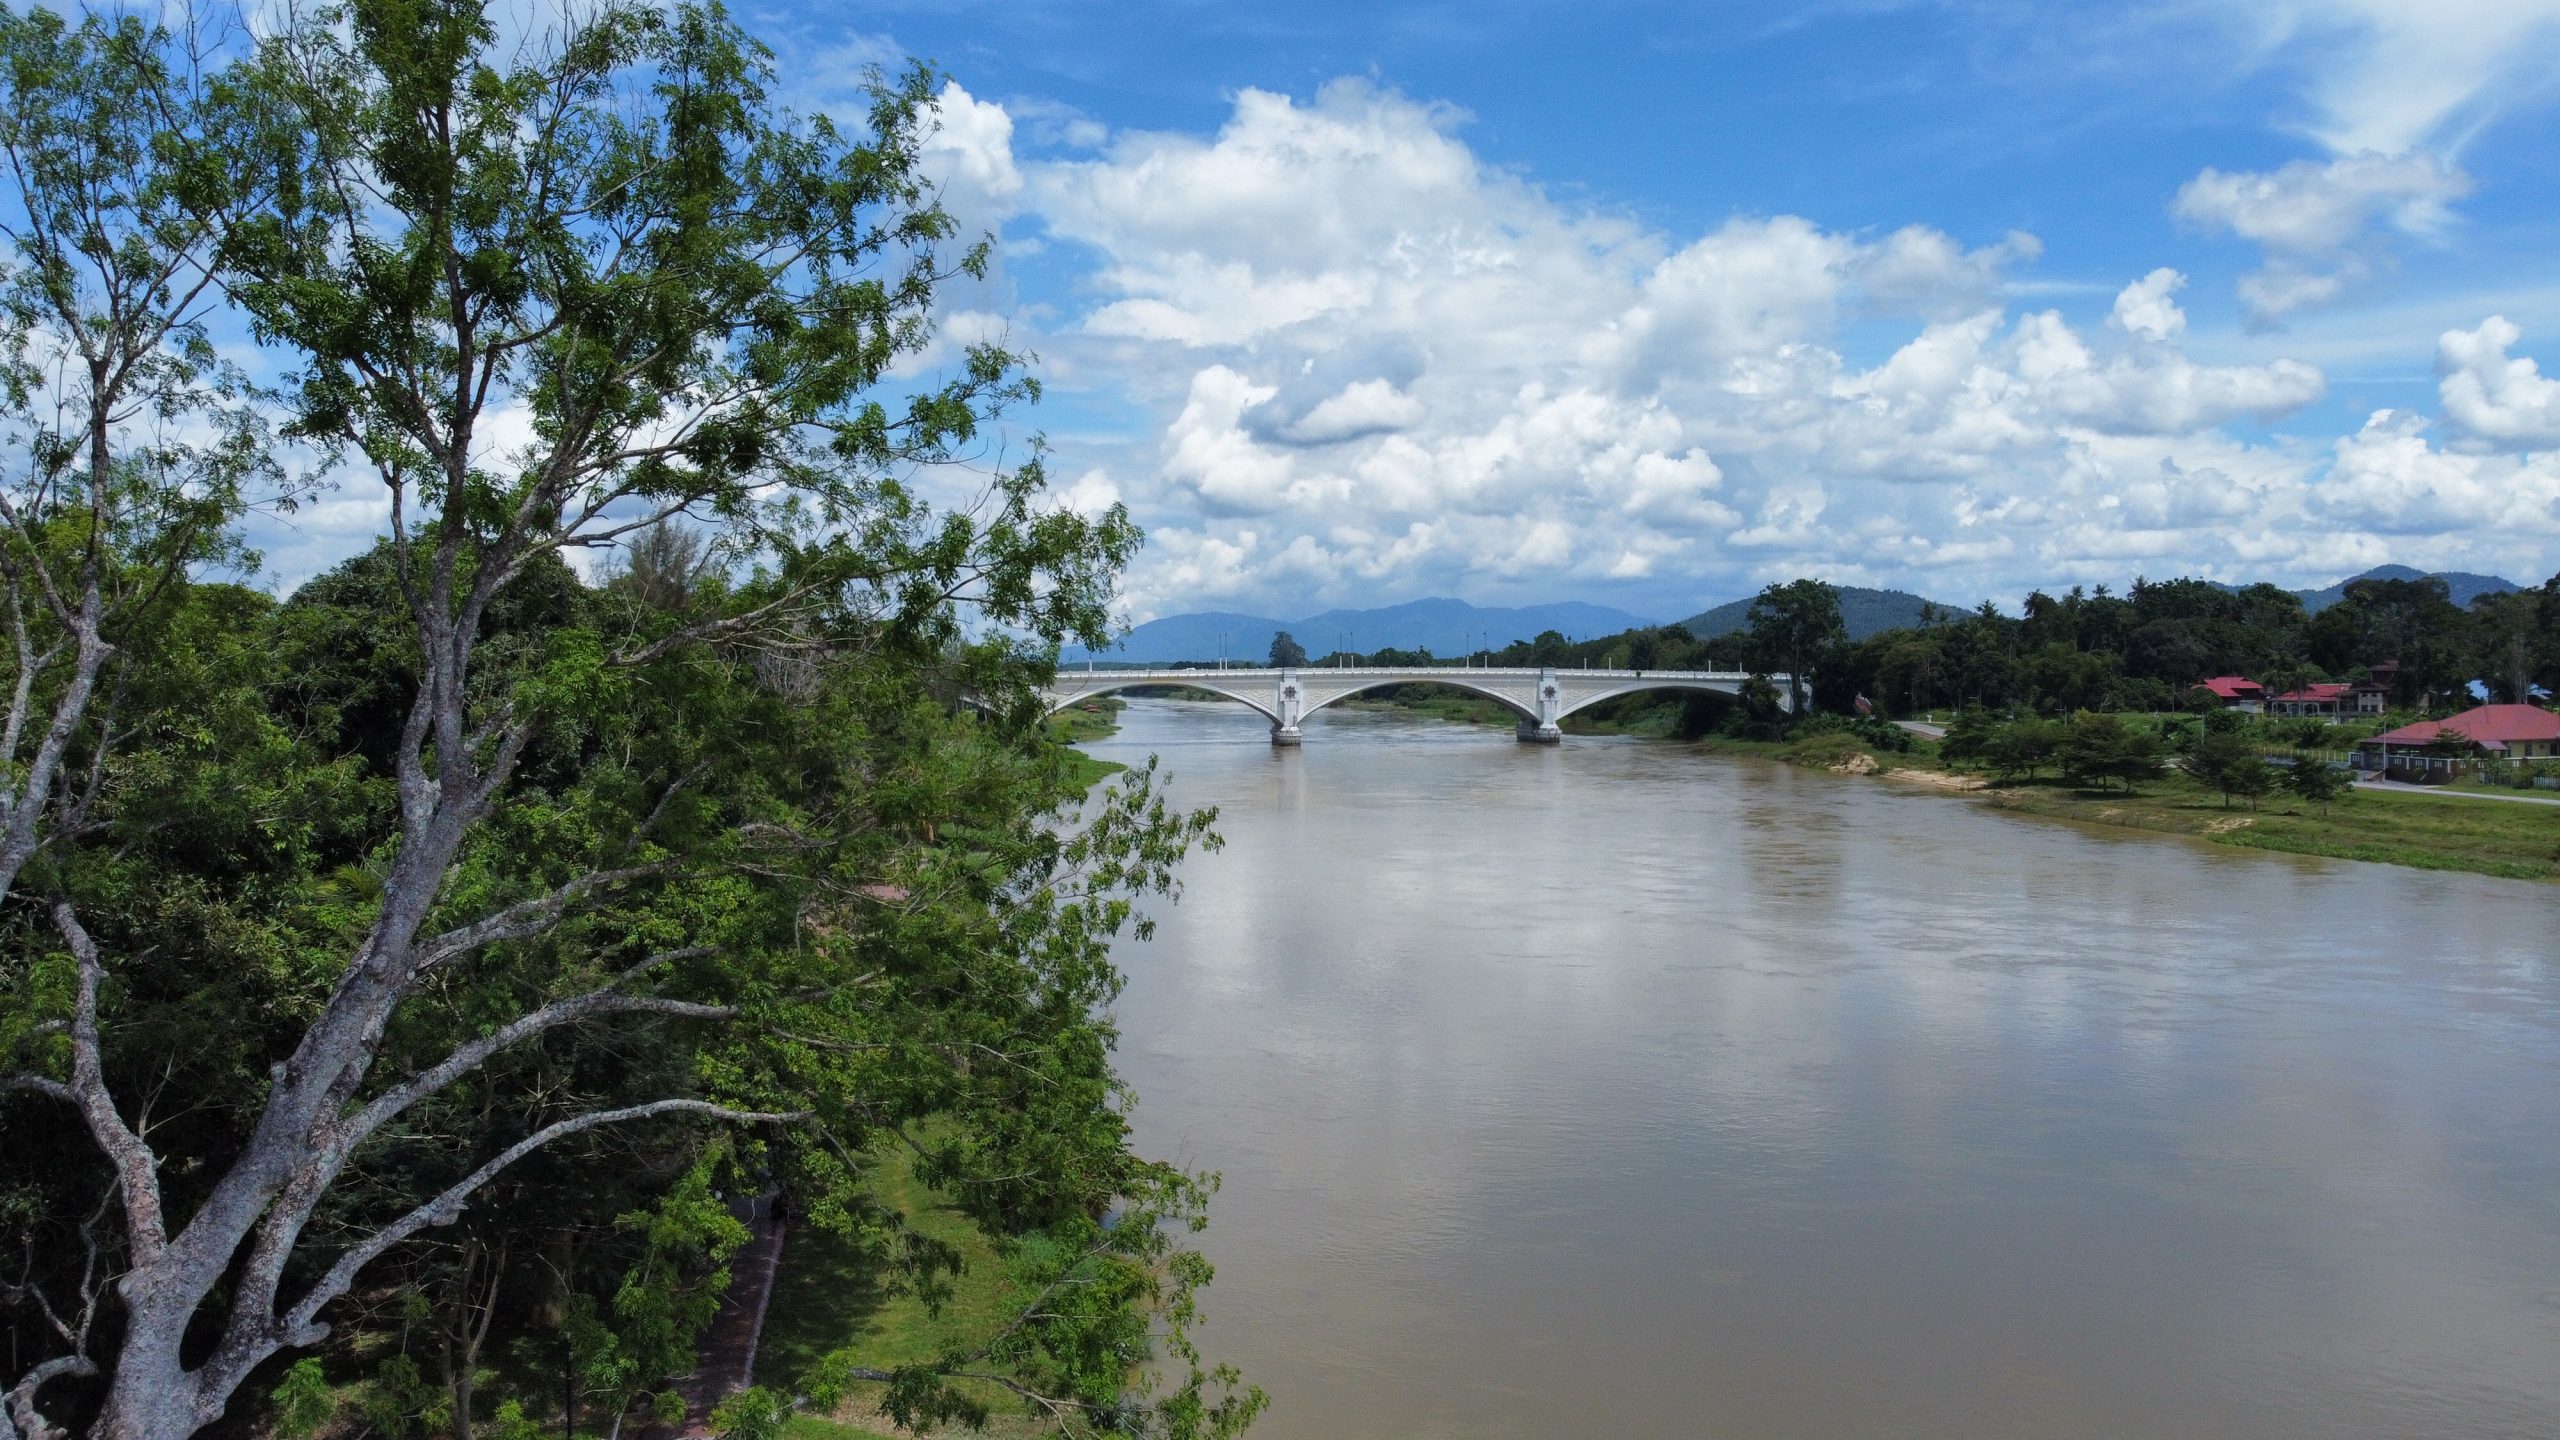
point(1443, 627)
point(2460, 586)
point(1871, 612)
point(1864, 612)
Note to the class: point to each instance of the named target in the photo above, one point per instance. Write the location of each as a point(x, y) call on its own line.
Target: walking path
point(727, 1359)
point(2397, 788)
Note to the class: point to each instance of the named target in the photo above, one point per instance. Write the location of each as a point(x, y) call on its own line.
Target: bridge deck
point(1541, 697)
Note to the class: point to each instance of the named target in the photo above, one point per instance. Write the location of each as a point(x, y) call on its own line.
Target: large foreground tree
point(455, 865)
point(1796, 625)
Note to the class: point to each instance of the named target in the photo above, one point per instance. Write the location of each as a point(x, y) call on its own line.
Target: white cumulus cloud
point(2492, 394)
point(2313, 218)
point(1364, 364)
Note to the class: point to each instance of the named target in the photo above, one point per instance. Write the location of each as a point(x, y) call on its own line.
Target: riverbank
point(2425, 832)
point(1094, 719)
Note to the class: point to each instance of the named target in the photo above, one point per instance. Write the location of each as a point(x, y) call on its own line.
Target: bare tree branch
point(137, 1169)
point(526, 918)
point(299, 1326)
point(602, 1001)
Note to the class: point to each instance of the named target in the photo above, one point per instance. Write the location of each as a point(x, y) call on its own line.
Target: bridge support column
point(1288, 705)
point(1544, 730)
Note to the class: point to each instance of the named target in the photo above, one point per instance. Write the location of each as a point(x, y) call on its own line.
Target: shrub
point(2309, 733)
point(1878, 734)
point(1825, 748)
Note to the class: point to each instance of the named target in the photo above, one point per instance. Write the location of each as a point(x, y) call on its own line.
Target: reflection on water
point(1614, 1090)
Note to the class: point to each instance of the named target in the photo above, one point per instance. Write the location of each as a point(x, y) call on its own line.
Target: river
point(1614, 1090)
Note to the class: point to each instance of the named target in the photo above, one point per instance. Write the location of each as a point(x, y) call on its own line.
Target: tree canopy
point(454, 935)
point(1793, 627)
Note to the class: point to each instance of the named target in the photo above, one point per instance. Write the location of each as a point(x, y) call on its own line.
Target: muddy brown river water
point(1613, 1090)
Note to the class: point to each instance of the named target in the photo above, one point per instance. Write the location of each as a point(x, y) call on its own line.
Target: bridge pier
point(1543, 730)
point(1288, 707)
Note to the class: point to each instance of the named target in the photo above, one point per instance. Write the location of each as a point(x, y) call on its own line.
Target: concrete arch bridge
point(1540, 697)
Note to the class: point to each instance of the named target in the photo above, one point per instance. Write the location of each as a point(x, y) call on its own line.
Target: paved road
point(2398, 788)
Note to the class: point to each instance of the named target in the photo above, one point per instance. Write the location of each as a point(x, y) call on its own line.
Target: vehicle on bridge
point(1541, 697)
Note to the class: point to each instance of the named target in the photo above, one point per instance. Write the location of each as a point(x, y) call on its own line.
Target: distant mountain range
point(1454, 627)
point(1443, 627)
point(2461, 585)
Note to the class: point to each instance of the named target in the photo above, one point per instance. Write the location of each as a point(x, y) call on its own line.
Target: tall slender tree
point(130, 444)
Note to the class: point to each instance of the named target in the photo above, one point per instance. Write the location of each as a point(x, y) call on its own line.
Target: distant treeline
point(2143, 649)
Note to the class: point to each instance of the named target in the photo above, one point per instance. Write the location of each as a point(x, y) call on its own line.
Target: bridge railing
point(1130, 673)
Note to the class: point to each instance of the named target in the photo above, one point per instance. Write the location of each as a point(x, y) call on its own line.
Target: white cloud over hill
point(1371, 360)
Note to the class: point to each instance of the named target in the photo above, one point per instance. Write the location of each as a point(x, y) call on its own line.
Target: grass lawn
point(2519, 842)
point(827, 1298)
point(1088, 720)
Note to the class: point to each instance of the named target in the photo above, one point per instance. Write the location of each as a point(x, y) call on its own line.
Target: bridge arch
point(1723, 689)
point(1209, 680)
point(1332, 695)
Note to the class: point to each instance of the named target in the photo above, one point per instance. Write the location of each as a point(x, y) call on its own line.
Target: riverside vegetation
point(2121, 773)
point(2070, 711)
point(399, 980)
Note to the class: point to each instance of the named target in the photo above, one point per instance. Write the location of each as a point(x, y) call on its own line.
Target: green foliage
point(1969, 736)
point(1868, 730)
point(511, 1423)
point(2021, 748)
point(2218, 761)
point(1757, 712)
point(1794, 627)
point(2317, 782)
point(2097, 748)
point(399, 1404)
point(765, 825)
point(1286, 652)
point(303, 1400)
point(2250, 777)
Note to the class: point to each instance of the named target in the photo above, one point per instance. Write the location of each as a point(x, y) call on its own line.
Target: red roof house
point(2329, 699)
point(2507, 732)
point(2236, 692)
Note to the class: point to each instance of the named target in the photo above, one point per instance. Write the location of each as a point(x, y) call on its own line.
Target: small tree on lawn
point(2250, 777)
point(2210, 763)
point(2317, 781)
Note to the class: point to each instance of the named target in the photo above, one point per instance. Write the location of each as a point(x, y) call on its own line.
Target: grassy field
point(828, 1298)
point(2483, 837)
point(2515, 841)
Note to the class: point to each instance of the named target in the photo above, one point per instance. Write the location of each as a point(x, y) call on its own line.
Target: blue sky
point(1651, 305)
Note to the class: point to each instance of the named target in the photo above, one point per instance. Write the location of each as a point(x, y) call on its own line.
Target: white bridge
point(1541, 698)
